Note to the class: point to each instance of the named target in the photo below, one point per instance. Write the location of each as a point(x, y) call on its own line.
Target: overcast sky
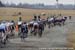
point(47, 2)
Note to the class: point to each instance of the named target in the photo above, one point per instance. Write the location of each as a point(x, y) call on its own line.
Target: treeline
point(1, 4)
point(37, 6)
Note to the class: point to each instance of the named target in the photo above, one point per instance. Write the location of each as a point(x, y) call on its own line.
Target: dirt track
point(56, 37)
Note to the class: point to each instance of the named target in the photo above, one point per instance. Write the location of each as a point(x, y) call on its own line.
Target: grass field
point(71, 38)
point(27, 14)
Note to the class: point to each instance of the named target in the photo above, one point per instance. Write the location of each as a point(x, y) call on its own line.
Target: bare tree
point(1, 4)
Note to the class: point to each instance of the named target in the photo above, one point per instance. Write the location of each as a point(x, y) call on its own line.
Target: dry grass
point(27, 14)
point(71, 40)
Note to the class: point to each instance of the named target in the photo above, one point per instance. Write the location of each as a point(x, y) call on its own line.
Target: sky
point(46, 2)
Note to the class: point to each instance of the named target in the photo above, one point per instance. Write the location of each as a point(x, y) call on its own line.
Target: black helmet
point(24, 22)
point(35, 17)
point(38, 16)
